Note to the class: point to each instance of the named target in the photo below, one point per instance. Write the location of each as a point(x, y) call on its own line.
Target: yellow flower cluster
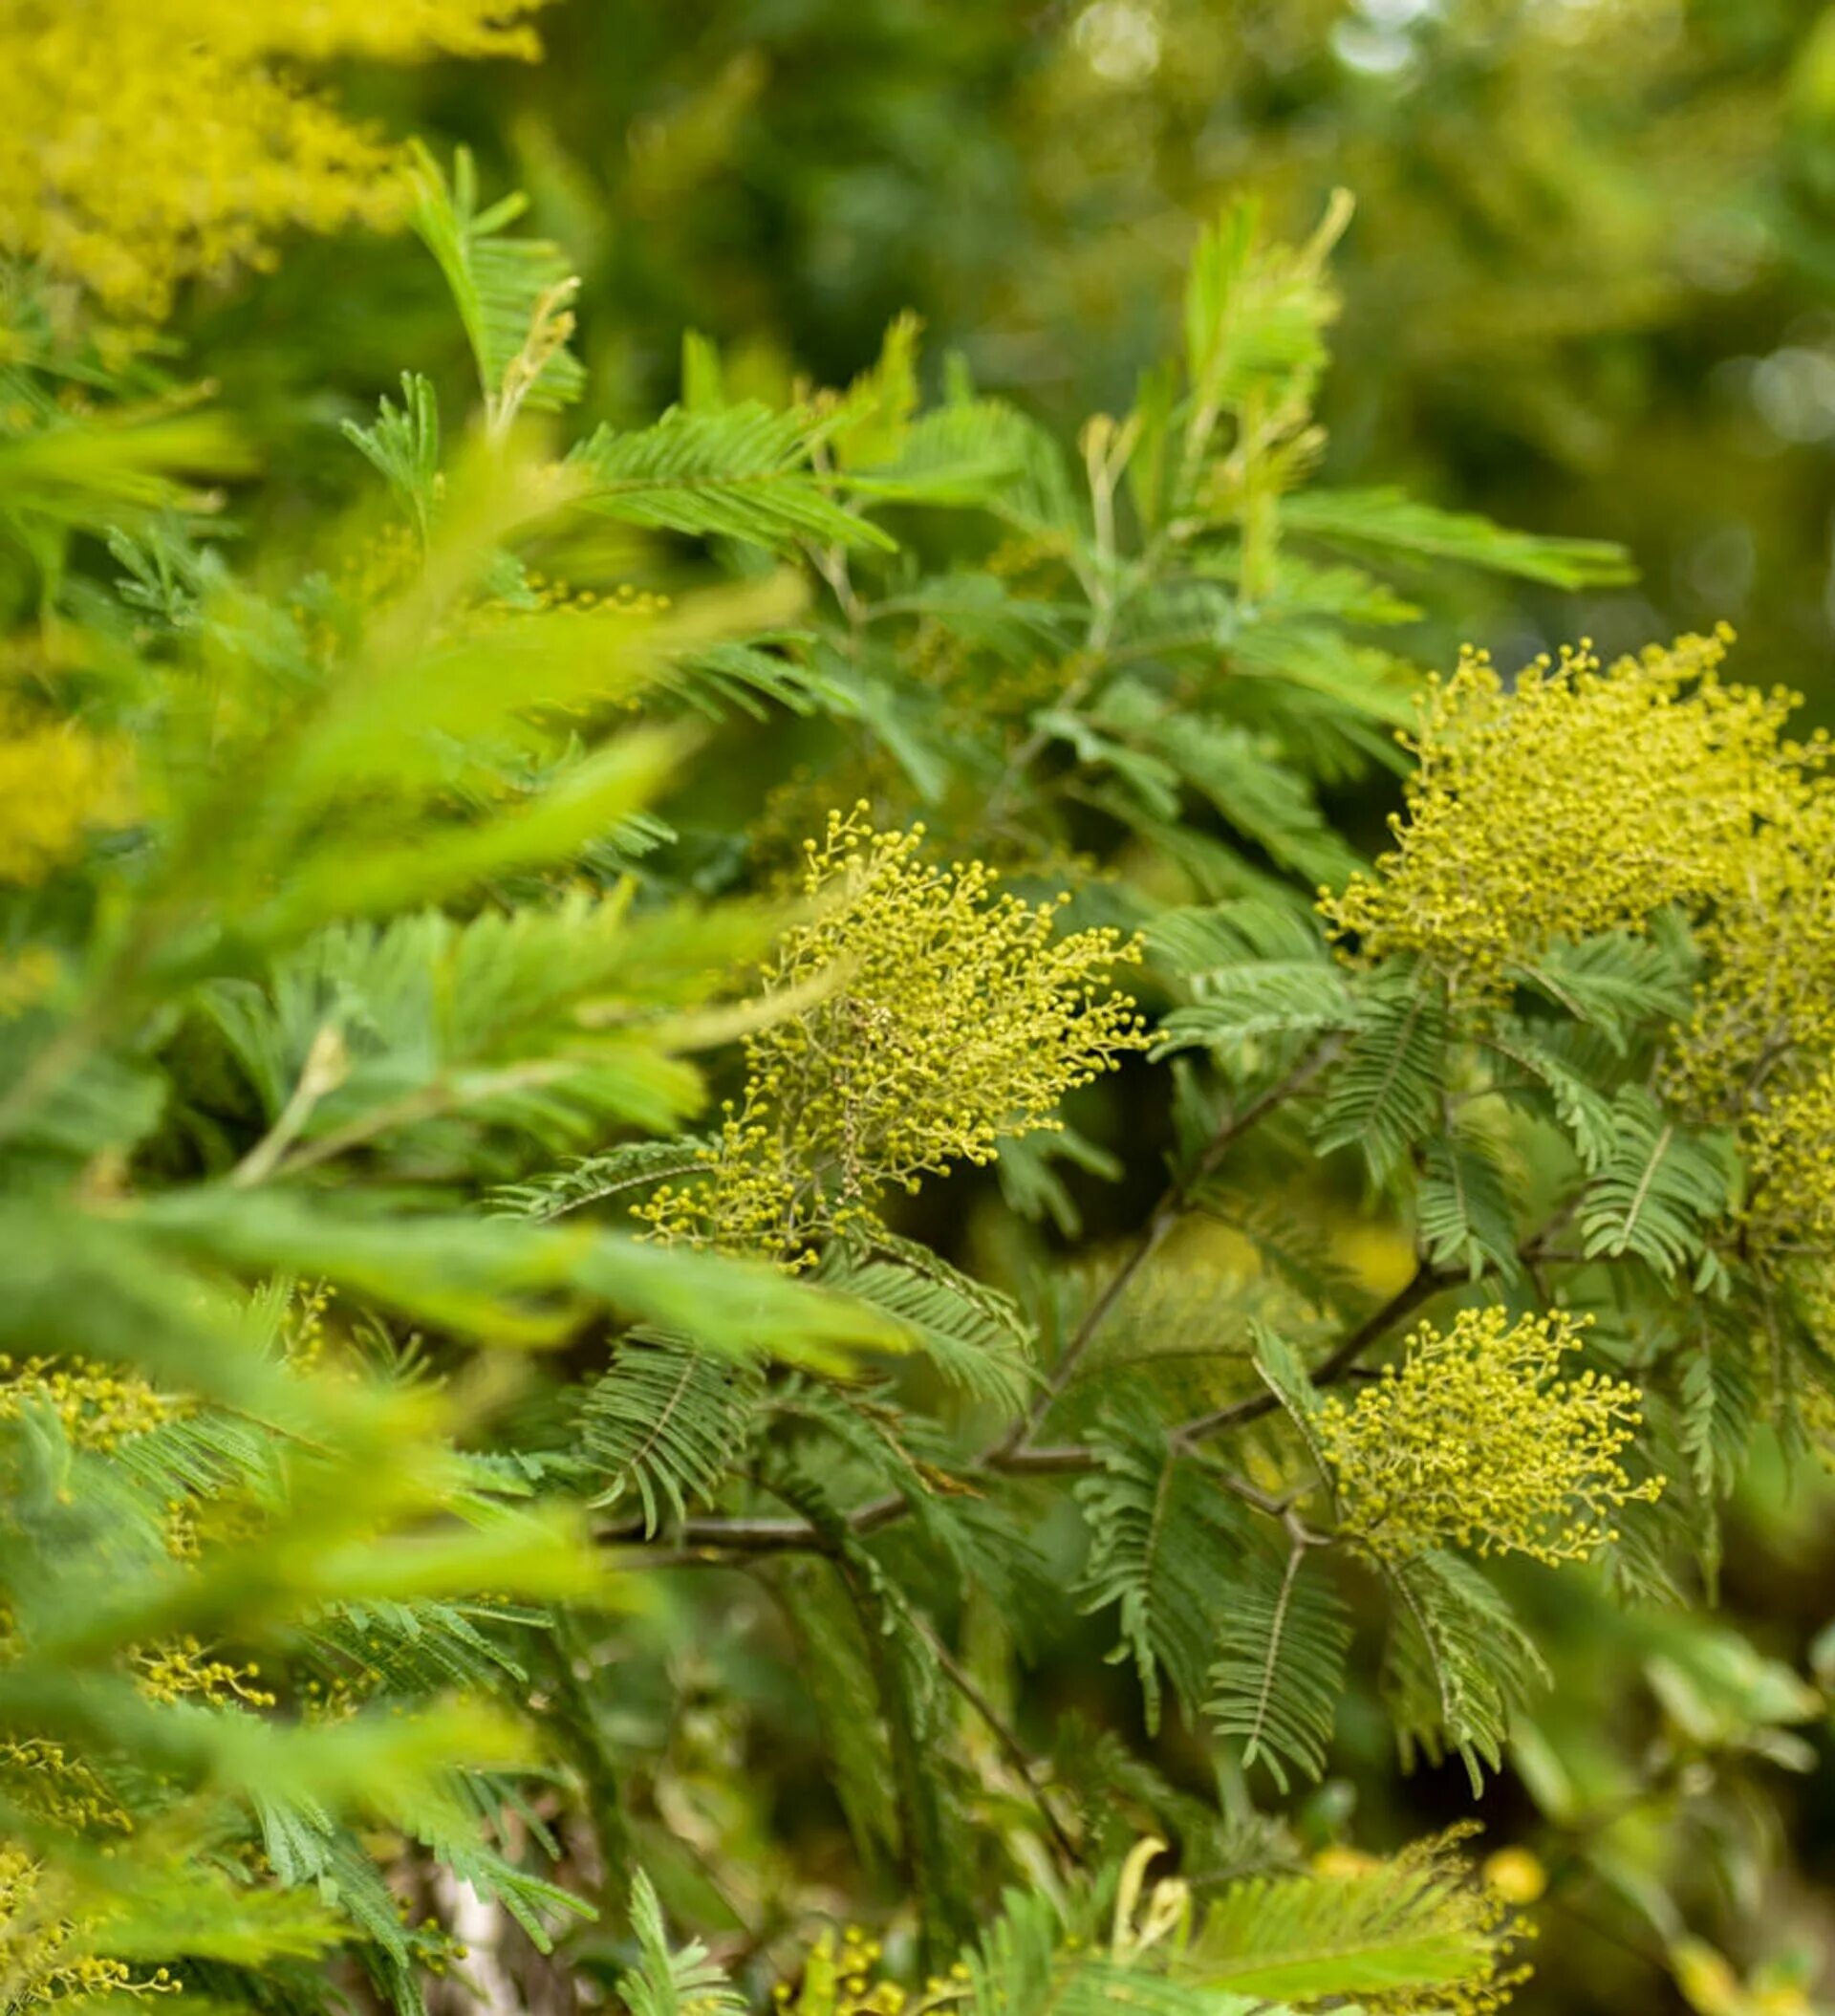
point(40, 1958)
point(1476, 1440)
point(146, 141)
point(43, 1778)
point(938, 1016)
point(26, 978)
point(96, 1407)
point(56, 785)
point(1790, 1170)
point(1583, 799)
point(1763, 1027)
point(303, 1332)
point(1577, 800)
point(842, 1980)
point(179, 1670)
point(1759, 1051)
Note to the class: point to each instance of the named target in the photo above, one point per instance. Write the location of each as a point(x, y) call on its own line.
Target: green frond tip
point(1386, 1094)
point(974, 1336)
point(1458, 1666)
point(1417, 1930)
point(621, 1172)
point(1388, 520)
point(1254, 969)
point(685, 1983)
point(513, 295)
point(666, 1422)
point(1462, 1209)
point(402, 446)
point(1164, 1541)
point(1658, 1192)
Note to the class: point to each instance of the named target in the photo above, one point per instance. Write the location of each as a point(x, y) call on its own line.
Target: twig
point(325, 1067)
point(1016, 1752)
point(1173, 1205)
point(1424, 1283)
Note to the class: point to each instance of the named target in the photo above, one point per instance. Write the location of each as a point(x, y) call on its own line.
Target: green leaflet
point(666, 1424)
point(1280, 1665)
point(1164, 1541)
point(1657, 1191)
point(742, 472)
point(1458, 1664)
point(975, 1336)
point(1385, 1095)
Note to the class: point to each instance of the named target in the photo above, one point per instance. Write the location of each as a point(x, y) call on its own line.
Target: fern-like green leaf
point(1164, 1539)
point(743, 472)
point(510, 292)
point(1582, 1112)
point(1391, 521)
point(1262, 797)
point(402, 446)
point(1659, 1191)
point(1282, 1664)
point(591, 1178)
point(1462, 1209)
point(837, 1668)
point(1254, 967)
point(1458, 1664)
point(974, 1336)
point(1413, 1927)
point(1385, 1095)
point(664, 1984)
point(666, 1422)
point(1027, 1964)
point(1617, 980)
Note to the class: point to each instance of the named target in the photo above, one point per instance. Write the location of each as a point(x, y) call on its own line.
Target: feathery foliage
point(580, 1361)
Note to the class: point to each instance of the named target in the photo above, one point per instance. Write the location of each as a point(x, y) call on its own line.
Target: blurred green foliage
point(1585, 291)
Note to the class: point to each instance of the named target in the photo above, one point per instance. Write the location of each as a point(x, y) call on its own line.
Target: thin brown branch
point(708, 1542)
point(1424, 1283)
point(1015, 1751)
point(1173, 1203)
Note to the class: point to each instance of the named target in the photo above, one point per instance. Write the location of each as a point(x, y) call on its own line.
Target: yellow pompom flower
point(1577, 799)
point(1516, 1874)
point(945, 1016)
point(44, 1778)
point(1477, 1441)
point(1764, 1019)
point(181, 1670)
point(841, 1978)
point(144, 142)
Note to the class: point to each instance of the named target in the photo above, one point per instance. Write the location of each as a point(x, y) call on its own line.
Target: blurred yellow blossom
point(42, 1956)
point(146, 141)
point(1516, 1874)
point(97, 1405)
point(181, 1671)
point(57, 783)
